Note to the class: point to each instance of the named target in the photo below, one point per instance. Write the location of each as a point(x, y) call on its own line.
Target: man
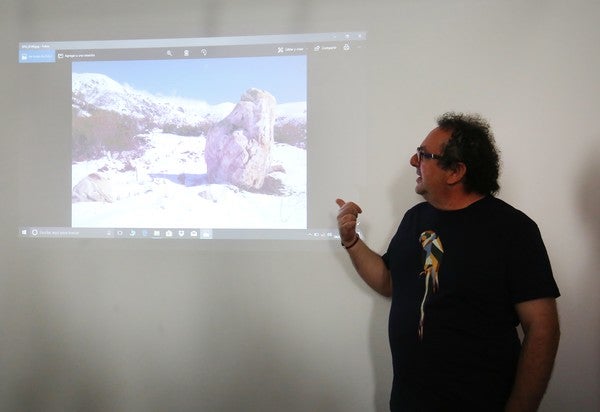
point(463, 270)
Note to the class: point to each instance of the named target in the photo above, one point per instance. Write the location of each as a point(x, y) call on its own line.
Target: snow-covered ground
point(166, 187)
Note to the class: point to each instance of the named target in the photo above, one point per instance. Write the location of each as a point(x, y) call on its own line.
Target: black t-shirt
point(456, 278)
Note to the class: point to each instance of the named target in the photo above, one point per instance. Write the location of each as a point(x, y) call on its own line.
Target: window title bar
point(201, 41)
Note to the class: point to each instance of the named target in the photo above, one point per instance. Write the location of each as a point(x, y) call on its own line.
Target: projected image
point(212, 143)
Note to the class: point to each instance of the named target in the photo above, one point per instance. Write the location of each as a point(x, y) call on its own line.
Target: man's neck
point(457, 201)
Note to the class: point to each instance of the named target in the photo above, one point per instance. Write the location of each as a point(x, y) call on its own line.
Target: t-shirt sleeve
point(386, 260)
point(387, 255)
point(530, 271)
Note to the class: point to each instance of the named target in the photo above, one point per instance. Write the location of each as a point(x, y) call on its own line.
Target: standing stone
point(238, 148)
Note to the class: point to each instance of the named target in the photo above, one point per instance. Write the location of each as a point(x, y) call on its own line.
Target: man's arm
point(368, 264)
point(539, 320)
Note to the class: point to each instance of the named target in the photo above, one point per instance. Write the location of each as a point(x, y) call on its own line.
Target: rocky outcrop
point(92, 188)
point(238, 148)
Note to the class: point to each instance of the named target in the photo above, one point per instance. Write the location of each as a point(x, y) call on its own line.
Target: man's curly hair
point(472, 143)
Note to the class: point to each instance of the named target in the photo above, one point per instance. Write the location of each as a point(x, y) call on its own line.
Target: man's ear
point(456, 173)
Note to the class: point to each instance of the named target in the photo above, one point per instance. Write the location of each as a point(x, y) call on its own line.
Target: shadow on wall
point(589, 193)
point(588, 203)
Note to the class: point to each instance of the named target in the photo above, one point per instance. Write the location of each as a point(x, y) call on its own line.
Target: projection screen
point(222, 137)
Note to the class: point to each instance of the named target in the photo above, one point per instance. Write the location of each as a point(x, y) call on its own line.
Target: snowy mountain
point(95, 91)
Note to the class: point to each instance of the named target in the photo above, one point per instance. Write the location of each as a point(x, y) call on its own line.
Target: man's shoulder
point(419, 207)
point(503, 210)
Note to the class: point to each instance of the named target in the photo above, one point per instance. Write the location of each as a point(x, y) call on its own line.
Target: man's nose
point(414, 160)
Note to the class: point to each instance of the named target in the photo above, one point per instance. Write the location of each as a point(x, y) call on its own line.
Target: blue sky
point(212, 80)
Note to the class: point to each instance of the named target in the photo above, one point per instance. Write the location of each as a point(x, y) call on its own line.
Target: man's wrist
point(352, 243)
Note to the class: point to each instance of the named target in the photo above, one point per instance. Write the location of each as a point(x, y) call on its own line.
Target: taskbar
point(176, 233)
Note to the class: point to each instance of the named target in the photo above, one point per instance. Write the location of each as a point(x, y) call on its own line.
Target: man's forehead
point(436, 138)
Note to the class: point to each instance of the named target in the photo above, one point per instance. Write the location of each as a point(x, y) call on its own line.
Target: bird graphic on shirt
point(434, 252)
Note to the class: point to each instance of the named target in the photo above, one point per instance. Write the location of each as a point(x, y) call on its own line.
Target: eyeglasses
point(423, 154)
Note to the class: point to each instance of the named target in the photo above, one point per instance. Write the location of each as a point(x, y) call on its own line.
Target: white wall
point(89, 326)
